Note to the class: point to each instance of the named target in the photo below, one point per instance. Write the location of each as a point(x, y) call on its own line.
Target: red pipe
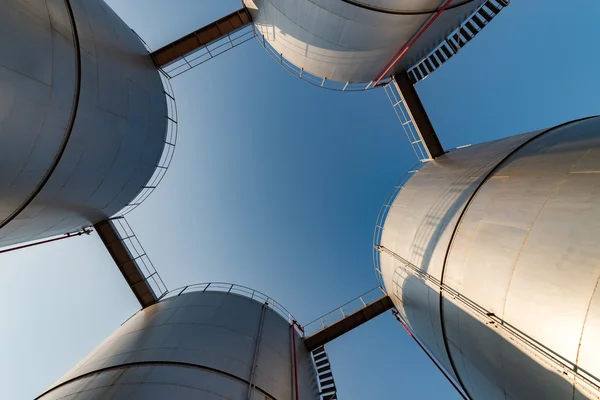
point(66, 236)
point(295, 364)
point(414, 39)
point(430, 357)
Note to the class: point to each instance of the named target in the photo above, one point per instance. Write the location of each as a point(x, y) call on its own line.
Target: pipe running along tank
point(490, 254)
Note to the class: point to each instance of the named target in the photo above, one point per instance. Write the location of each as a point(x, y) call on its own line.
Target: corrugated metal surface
point(196, 345)
point(118, 133)
point(344, 42)
point(526, 249)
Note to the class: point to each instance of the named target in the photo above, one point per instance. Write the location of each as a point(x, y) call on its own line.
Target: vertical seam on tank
point(527, 236)
point(70, 124)
point(458, 222)
point(587, 313)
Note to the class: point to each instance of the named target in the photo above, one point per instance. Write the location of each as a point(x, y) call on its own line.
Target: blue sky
point(276, 185)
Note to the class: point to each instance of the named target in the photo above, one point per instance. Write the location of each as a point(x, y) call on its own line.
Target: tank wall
point(525, 249)
point(196, 344)
point(419, 228)
point(120, 116)
point(343, 42)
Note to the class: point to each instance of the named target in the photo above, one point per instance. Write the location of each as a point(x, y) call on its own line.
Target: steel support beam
point(126, 263)
point(348, 323)
point(203, 36)
point(418, 114)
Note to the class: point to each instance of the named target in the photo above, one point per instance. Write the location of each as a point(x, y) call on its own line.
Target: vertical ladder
point(321, 362)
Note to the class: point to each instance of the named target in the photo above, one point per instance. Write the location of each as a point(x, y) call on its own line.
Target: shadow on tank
point(490, 367)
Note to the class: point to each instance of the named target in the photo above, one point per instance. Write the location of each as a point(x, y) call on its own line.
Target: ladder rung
point(465, 34)
point(447, 51)
point(485, 14)
point(428, 65)
point(479, 21)
point(440, 55)
point(471, 28)
point(489, 4)
point(321, 363)
point(413, 77)
point(325, 375)
point(418, 73)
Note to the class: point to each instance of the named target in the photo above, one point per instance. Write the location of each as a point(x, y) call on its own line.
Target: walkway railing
point(168, 150)
point(210, 51)
point(406, 121)
point(139, 256)
point(300, 73)
point(340, 313)
point(235, 289)
point(383, 212)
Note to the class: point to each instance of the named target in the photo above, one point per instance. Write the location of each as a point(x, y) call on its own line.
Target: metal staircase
point(321, 362)
point(457, 39)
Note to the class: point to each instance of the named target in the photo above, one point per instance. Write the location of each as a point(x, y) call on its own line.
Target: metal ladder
point(457, 39)
point(406, 120)
point(321, 362)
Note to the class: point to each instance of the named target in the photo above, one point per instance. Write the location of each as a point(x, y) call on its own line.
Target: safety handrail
point(306, 76)
point(383, 212)
point(345, 309)
point(145, 266)
point(169, 147)
point(232, 288)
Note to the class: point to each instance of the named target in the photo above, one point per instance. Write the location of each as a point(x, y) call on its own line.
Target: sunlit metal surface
point(343, 42)
point(195, 345)
point(111, 87)
point(509, 230)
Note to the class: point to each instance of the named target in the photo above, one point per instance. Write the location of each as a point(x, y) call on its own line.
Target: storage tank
point(355, 40)
point(82, 117)
point(206, 341)
point(490, 253)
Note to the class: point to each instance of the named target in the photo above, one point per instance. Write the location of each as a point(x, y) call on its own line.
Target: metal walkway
point(345, 318)
point(205, 43)
point(132, 260)
point(457, 39)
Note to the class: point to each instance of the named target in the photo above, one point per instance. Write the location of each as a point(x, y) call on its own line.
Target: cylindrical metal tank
point(82, 116)
point(491, 253)
point(208, 341)
point(354, 40)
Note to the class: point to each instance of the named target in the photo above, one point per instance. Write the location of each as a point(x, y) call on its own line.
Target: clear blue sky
point(276, 185)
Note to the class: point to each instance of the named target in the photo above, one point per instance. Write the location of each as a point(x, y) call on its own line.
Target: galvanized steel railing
point(340, 313)
point(139, 256)
point(406, 121)
point(210, 51)
point(383, 212)
point(300, 73)
point(168, 149)
point(245, 291)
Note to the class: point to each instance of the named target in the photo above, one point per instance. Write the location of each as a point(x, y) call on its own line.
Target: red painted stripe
point(409, 45)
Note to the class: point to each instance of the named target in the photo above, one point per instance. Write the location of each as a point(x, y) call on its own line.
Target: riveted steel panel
point(203, 341)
